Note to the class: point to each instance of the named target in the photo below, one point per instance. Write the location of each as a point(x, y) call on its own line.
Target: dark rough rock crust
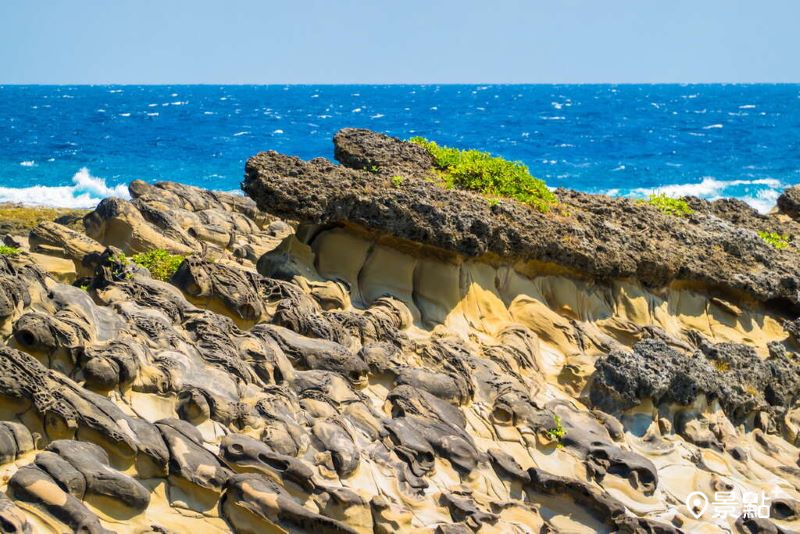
point(597, 236)
point(729, 373)
point(789, 202)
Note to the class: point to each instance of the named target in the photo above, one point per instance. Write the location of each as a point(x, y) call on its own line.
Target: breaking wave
point(760, 193)
point(86, 191)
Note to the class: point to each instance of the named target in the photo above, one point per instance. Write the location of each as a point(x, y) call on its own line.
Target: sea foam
point(760, 193)
point(86, 191)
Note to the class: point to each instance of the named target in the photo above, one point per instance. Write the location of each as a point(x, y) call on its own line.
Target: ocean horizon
point(71, 146)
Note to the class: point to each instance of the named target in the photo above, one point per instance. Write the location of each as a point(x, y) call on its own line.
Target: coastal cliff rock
point(598, 237)
point(399, 358)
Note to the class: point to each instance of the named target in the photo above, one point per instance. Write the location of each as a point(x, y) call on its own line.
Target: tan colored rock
point(117, 222)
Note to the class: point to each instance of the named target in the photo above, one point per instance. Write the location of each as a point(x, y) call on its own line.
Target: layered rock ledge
point(364, 367)
point(593, 236)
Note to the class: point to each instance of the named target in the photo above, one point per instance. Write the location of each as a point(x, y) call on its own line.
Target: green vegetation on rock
point(473, 170)
point(5, 250)
point(774, 239)
point(556, 433)
point(397, 180)
point(670, 206)
point(161, 264)
point(17, 219)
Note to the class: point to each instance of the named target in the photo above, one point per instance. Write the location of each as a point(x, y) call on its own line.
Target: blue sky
point(409, 41)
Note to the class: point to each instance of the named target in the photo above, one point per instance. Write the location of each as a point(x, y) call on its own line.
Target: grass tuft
point(774, 239)
point(556, 433)
point(676, 207)
point(473, 170)
point(5, 250)
point(161, 264)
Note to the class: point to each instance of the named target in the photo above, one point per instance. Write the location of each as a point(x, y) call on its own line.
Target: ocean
point(74, 145)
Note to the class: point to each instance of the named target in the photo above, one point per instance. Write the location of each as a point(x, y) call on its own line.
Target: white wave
point(239, 134)
point(559, 118)
point(707, 187)
point(278, 132)
point(764, 200)
point(357, 110)
point(377, 116)
point(28, 163)
point(713, 126)
point(154, 114)
point(748, 106)
point(712, 189)
point(85, 192)
point(124, 114)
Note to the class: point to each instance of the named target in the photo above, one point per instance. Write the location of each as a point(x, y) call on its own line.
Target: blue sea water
point(71, 146)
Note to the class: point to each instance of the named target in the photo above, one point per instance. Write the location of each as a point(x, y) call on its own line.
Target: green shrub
point(161, 264)
point(774, 239)
point(5, 250)
point(397, 181)
point(556, 433)
point(493, 176)
point(670, 206)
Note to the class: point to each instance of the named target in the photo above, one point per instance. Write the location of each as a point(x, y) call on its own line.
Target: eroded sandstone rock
point(342, 379)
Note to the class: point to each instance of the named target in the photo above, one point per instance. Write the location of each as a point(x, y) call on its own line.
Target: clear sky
point(408, 41)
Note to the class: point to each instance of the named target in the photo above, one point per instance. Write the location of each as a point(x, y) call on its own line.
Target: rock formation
point(399, 358)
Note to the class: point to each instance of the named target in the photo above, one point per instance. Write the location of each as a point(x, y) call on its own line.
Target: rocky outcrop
point(599, 237)
point(732, 374)
point(407, 359)
point(364, 150)
point(789, 202)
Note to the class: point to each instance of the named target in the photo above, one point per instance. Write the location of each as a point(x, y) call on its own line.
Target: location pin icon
point(697, 502)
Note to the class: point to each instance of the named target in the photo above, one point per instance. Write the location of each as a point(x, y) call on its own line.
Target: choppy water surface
point(71, 146)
